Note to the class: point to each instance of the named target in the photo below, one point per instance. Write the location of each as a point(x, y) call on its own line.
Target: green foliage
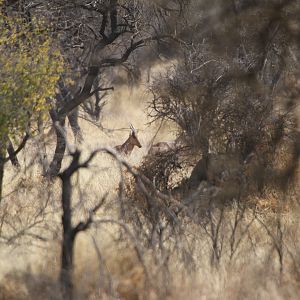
point(30, 66)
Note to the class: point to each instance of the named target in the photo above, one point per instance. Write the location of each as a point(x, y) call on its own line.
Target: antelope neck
point(128, 146)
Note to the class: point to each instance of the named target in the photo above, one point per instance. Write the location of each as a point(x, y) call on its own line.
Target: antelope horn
point(132, 128)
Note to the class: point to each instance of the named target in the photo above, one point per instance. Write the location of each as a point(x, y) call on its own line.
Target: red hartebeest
point(129, 144)
point(162, 147)
point(166, 146)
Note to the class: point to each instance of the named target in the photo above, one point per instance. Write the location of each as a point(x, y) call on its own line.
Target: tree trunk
point(68, 240)
point(1, 174)
point(3, 144)
point(73, 119)
point(12, 156)
point(56, 162)
point(42, 146)
point(199, 173)
point(69, 232)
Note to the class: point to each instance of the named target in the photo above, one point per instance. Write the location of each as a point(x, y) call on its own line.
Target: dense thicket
point(233, 93)
point(235, 89)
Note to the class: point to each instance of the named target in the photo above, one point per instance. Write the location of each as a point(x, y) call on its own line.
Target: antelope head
point(133, 137)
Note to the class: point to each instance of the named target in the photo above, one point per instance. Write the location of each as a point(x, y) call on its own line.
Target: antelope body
point(165, 146)
point(127, 147)
point(162, 147)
